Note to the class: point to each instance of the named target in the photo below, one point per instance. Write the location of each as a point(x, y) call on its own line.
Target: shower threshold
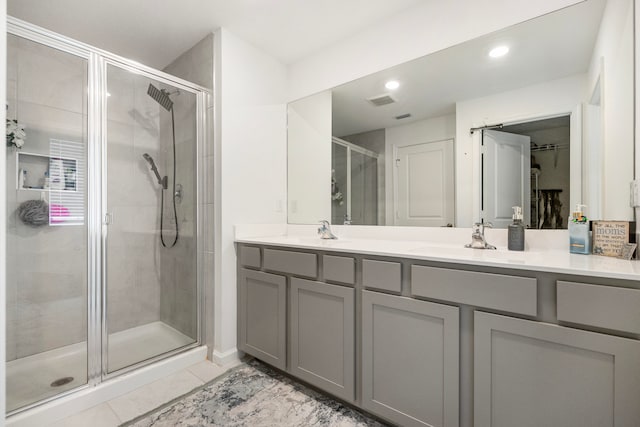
point(29, 379)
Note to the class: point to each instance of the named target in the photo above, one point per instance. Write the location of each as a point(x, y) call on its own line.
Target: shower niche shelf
point(32, 171)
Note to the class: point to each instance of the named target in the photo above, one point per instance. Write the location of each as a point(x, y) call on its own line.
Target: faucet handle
point(324, 226)
point(480, 226)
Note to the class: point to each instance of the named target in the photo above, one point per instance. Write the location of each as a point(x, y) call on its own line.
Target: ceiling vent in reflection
point(403, 116)
point(381, 100)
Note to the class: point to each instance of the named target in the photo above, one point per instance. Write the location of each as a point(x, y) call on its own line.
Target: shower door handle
point(108, 218)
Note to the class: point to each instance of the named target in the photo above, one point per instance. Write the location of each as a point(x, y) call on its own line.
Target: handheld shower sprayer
point(164, 181)
point(161, 96)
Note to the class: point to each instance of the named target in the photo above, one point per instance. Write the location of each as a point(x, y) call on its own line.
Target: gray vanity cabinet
point(410, 358)
point(262, 316)
point(538, 374)
point(322, 322)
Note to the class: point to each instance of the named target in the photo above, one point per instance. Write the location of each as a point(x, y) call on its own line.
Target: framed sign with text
point(611, 237)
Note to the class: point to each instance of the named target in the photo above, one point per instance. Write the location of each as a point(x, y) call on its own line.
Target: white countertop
point(542, 252)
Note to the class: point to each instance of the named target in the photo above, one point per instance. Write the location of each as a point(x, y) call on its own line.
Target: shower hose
point(175, 212)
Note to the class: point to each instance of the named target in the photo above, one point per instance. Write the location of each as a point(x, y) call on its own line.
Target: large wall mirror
point(538, 115)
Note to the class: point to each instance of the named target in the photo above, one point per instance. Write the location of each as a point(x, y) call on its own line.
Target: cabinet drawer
point(339, 269)
point(601, 306)
point(298, 263)
point(497, 291)
point(383, 275)
point(250, 256)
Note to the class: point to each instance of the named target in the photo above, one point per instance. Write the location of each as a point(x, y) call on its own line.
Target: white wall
point(614, 55)
point(427, 130)
point(636, 4)
point(538, 101)
point(309, 154)
point(417, 31)
point(251, 162)
point(3, 210)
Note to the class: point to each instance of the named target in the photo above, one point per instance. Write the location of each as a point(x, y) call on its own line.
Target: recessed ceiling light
point(499, 51)
point(392, 84)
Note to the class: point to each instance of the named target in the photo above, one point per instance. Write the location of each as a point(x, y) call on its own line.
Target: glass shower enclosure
point(103, 216)
point(354, 184)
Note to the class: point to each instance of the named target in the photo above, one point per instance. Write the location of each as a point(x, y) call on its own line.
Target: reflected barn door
point(506, 167)
point(424, 184)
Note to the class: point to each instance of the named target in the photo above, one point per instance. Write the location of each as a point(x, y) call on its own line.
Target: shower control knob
point(178, 193)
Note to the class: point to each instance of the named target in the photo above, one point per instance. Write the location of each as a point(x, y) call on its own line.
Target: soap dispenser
point(516, 231)
point(579, 232)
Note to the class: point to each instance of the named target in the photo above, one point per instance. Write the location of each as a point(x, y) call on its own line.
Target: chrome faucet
point(325, 230)
point(477, 238)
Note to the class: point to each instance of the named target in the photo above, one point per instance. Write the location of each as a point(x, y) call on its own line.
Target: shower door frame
point(132, 67)
point(97, 61)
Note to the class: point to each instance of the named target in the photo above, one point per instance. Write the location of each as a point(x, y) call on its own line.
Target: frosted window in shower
point(67, 188)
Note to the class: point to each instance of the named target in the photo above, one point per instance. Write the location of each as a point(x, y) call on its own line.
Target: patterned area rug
point(254, 395)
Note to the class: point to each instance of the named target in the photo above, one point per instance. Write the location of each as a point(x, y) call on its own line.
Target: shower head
point(161, 96)
point(161, 181)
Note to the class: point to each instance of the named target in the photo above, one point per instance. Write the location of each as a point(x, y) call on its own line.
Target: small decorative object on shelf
point(15, 134)
point(612, 238)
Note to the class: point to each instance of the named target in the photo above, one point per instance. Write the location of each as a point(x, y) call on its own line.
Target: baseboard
point(225, 358)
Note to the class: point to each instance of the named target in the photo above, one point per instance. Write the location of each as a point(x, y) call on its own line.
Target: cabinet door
point(410, 360)
point(537, 374)
point(262, 316)
point(322, 336)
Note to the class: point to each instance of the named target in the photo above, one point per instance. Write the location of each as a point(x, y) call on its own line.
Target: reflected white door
point(505, 176)
point(424, 184)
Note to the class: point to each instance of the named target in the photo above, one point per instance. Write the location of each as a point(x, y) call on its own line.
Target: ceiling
point(156, 32)
point(542, 49)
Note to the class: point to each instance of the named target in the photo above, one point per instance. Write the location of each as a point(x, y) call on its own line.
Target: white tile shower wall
point(179, 298)
point(196, 64)
point(46, 266)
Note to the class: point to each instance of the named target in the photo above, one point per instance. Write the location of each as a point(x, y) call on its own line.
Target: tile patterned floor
point(140, 401)
point(206, 394)
point(255, 395)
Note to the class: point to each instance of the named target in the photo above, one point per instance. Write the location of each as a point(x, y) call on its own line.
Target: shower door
point(364, 189)
point(354, 184)
point(47, 211)
point(149, 201)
